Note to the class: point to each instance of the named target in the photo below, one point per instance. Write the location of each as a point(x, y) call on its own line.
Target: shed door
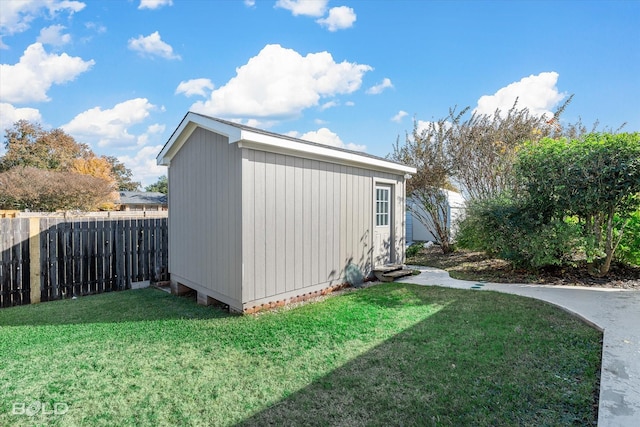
point(383, 225)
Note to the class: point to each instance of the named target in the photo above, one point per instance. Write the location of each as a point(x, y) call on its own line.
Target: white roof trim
point(267, 142)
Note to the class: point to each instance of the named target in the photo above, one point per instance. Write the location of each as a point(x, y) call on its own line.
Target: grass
point(390, 354)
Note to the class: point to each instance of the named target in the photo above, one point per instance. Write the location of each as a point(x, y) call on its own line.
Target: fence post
point(34, 259)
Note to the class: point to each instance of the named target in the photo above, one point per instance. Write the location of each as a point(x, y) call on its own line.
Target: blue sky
point(120, 74)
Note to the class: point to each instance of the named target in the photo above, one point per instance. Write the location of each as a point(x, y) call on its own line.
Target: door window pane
point(382, 206)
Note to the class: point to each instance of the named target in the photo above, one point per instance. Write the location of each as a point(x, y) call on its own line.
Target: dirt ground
point(469, 265)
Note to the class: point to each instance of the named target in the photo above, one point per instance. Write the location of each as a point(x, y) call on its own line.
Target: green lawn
point(391, 354)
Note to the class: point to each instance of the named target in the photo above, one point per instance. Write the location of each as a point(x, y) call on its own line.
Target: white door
point(382, 225)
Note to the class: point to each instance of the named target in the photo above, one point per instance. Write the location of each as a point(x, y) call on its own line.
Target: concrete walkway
point(616, 312)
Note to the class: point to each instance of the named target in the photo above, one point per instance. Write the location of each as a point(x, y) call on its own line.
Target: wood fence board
point(100, 266)
point(14, 262)
point(25, 262)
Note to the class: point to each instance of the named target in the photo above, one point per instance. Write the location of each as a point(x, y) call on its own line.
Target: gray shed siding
point(304, 221)
point(205, 229)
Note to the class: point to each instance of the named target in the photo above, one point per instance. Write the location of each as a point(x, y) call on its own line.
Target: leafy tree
point(27, 144)
point(160, 186)
point(98, 167)
point(427, 150)
point(475, 155)
point(595, 178)
point(484, 147)
point(122, 175)
point(29, 188)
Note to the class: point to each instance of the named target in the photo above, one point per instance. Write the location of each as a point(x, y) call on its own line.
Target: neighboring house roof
point(259, 139)
point(142, 198)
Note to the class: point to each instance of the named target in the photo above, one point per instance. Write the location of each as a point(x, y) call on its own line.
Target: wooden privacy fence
point(49, 258)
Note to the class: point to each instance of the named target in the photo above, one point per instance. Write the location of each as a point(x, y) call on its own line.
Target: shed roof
point(142, 198)
point(259, 139)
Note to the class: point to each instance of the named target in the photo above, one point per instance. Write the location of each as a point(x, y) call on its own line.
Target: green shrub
point(507, 229)
point(629, 248)
point(414, 249)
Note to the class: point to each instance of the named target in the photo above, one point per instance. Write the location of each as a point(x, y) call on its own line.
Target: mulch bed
point(478, 266)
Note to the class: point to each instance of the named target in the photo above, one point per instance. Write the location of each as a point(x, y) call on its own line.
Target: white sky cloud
point(143, 164)
point(193, 87)
point(280, 82)
point(537, 93)
point(328, 105)
point(398, 117)
point(110, 127)
point(339, 18)
point(17, 15)
point(304, 7)
point(96, 27)
point(380, 87)
point(10, 114)
point(53, 36)
point(156, 128)
point(327, 137)
point(250, 3)
point(30, 79)
point(154, 4)
point(152, 45)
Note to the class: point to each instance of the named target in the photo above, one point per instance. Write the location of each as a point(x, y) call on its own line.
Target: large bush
point(28, 188)
point(578, 196)
point(512, 230)
point(595, 178)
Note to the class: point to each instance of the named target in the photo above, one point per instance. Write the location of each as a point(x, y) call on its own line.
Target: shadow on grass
point(112, 307)
point(520, 363)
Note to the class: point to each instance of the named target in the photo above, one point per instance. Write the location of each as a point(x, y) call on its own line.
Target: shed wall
point(305, 221)
point(204, 216)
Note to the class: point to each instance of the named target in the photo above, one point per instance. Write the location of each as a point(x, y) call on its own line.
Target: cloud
point(10, 114)
point(154, 4)
point(328, 105)
point(326, 137)
point(30, 79)
point(249, 3)
point(379, 88)
point(156, 128)
point(17, 15)
point(537, 93)
point(304, 7)
point(110, 127)
point(279, 83)
point(398, 117)
point(195, 87)
point(339, 18)
point(152, 45)
point(96, 27)
point(53, 36)
point(143, 164)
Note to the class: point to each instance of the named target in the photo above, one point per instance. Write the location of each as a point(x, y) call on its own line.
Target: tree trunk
point(609, 247)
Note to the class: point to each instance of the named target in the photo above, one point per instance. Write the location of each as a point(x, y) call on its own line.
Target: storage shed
point(258, 218)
